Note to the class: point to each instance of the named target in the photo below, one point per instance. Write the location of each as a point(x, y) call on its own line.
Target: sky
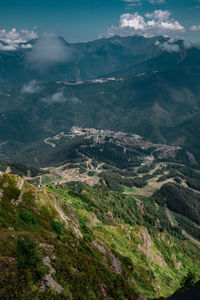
point(84, 20)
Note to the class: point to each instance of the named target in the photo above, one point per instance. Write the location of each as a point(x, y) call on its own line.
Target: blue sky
point(83, 20)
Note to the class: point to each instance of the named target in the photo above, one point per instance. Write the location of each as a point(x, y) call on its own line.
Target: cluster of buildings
point(109, 133)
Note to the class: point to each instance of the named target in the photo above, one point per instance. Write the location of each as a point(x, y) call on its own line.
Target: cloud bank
point(48, 50)
point(152, 24)
point(13, 39)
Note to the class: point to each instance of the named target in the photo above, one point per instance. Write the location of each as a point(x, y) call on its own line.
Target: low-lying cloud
point(33, 87)
point(48, 50)
point(59, 97)
point(171, 45)
point(187, 44)
point(168, 47)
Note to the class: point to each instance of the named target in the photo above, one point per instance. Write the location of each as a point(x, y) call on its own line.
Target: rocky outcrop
point(115, 264)
point(44, 246)
point(110, 215)
point(146, 244)
point(109, 258)
point(19, 185)
point(103, 290)
point(70, 220)
point(48, 281)
point(99, 247)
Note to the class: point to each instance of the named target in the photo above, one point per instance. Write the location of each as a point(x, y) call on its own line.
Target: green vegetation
point(180, 200)
point(20, 169)
point(107, 240)
point(133, 226)
point(27, 217)
point(27, 256)
point(57, 227)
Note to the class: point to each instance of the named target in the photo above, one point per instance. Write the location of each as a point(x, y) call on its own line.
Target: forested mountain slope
point(72, 241)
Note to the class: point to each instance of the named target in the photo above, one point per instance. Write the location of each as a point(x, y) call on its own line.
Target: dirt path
point(169, 217)
point(46, 141)
point(189, 237)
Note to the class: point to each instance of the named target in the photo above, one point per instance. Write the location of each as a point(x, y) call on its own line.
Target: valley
point(118, 161)
point(166, 111)
point(78, 214)
point(100, 171)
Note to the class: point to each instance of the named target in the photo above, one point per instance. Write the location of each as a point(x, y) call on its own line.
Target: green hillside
point(79, 242)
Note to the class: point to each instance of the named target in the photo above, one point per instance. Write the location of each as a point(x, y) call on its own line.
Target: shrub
point(57, 227)
point(28, 256)
point(87, 232)
point(91, 173)
point(27, 217)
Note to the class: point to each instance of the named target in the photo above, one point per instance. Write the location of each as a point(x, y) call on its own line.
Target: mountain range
point(128, 84)
point(100, 169)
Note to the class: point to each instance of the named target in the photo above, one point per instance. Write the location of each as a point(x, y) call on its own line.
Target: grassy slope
point(96, 254)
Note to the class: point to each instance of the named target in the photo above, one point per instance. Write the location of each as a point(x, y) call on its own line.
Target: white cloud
point(195, 28)
point(139, 2)
point(157, 1)
point(132, 21)
point(48, 50)
point(133, 2)
point(168, 47)
point(171, 45)
point(32, 87)
point(57, 97)
point(13, 39)
point(152, 24)
point(159, 15)
point(26, 46)
point(8, 47)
